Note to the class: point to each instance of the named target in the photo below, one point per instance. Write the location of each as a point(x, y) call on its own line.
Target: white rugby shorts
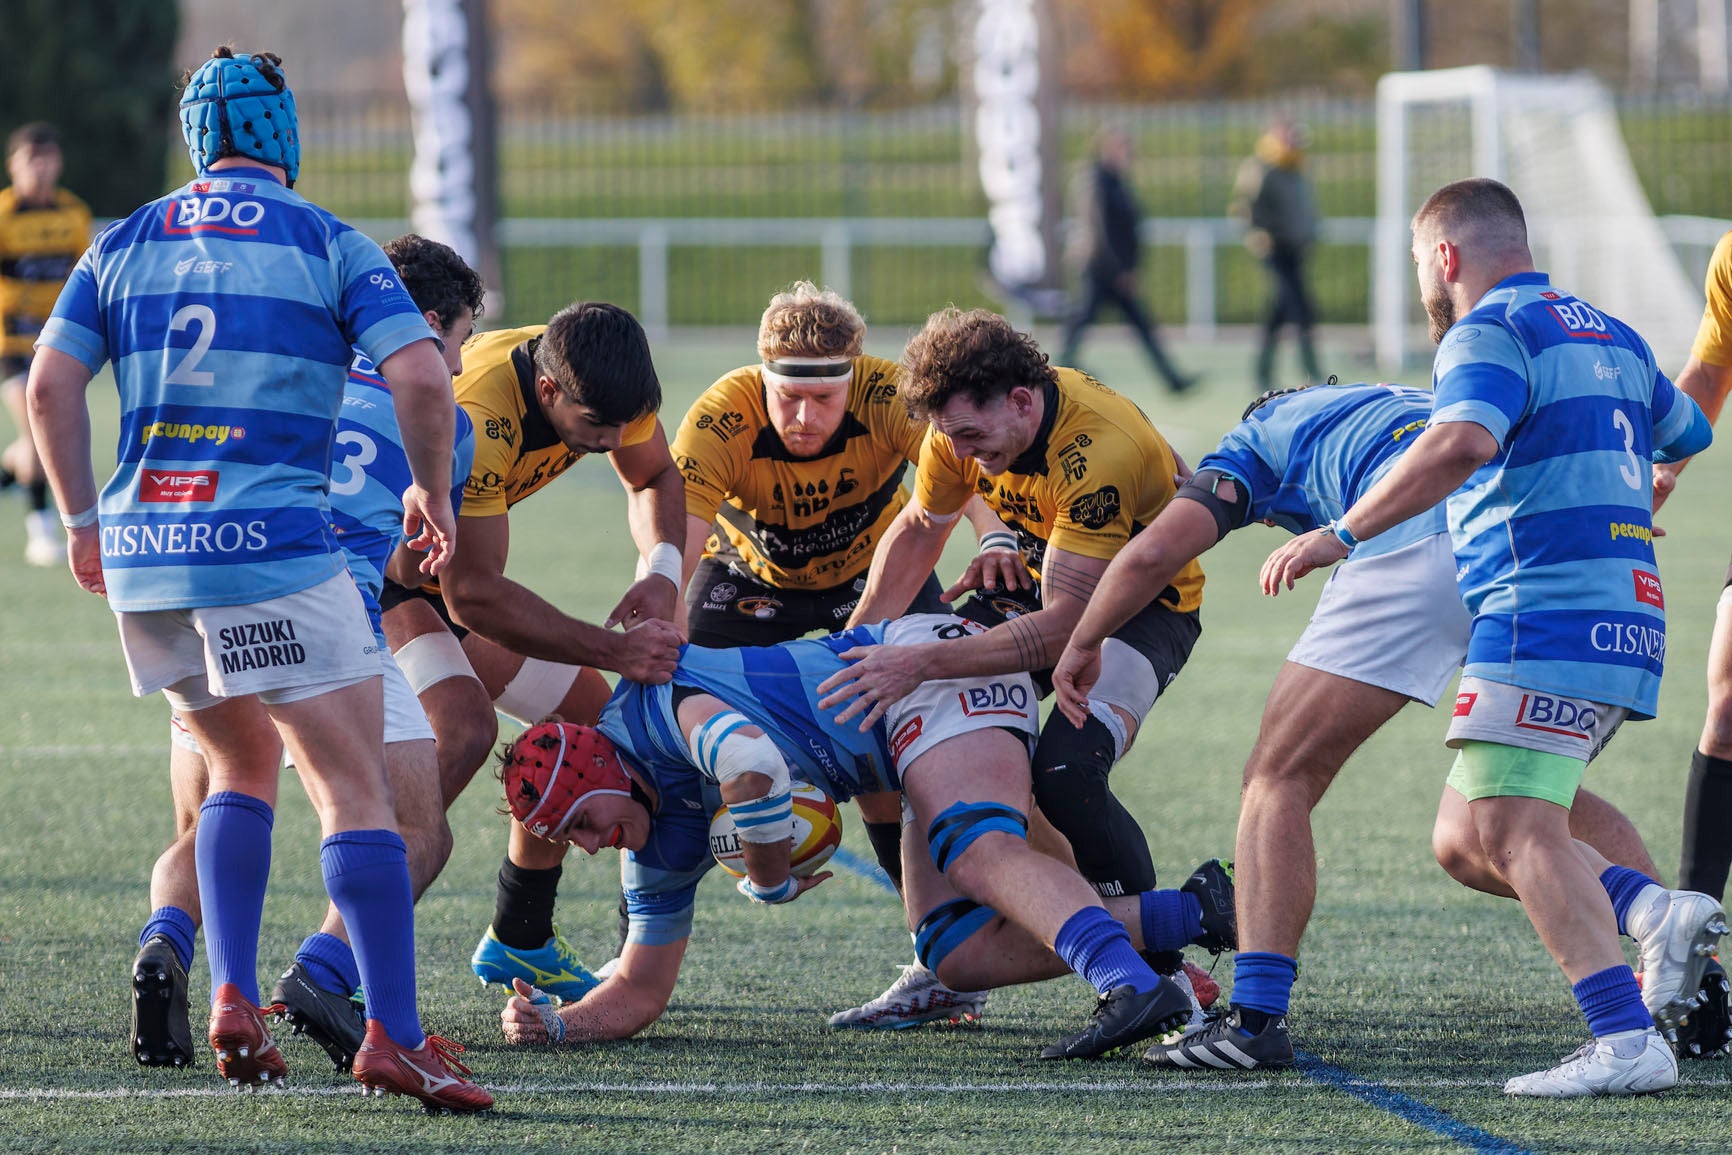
point(405, 720)
point(315, 639)
point(941, 710)
point(1488, 711)
point(1393, 620)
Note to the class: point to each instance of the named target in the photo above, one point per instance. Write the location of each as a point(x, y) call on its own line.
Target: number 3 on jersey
point(348, 474)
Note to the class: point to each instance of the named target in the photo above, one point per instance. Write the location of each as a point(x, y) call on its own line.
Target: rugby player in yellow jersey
point(540, 398)
point(1075, 470)
point(43, 231)
point(1707, 852)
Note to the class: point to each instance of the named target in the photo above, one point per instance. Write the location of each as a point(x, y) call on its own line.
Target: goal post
point(1555, 140)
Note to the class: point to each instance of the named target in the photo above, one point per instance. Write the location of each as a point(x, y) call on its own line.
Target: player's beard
point(1440, 310)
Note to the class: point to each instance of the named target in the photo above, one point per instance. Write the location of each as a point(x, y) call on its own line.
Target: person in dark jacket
point(1107, 223)
point(1273, 196)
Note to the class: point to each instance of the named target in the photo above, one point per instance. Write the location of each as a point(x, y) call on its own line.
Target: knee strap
point(946, 927)
point(958, 826)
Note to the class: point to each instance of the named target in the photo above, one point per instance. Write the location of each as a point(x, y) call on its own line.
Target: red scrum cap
point(552, 767)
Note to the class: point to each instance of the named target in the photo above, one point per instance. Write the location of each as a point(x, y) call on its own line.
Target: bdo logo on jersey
point(994, 698)
point(1562, 716)
point(191, 216)
point(155, 486)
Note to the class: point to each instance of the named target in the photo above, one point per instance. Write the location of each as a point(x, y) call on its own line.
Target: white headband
point(808, 370)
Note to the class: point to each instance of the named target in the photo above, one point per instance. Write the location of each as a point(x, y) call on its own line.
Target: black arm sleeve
point(1202, 488)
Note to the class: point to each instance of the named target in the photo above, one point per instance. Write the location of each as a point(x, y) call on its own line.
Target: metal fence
point(696, 219)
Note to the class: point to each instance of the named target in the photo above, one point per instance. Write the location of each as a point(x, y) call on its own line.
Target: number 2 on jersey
point(187, 371)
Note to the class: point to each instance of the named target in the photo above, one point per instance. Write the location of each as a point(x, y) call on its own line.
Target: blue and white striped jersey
point(230, 309)
point(775, 687)
point(1306, 457)
point(369, 473)
point(1554, 535)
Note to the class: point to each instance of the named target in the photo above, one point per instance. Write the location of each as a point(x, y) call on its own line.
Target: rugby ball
point(817, 834)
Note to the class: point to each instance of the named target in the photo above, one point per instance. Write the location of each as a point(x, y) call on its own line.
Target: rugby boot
point(161, 1028)
point(1627, 1063)
point(1708, 1034)
point(916, 997)
point(1212, 884)
point(1124, 1016)
point(552, 967)
point(1676, 931)
point(246, 1054)
point(1203, 985)
point(333, 1021)
point(430, 1072)
point(1226, 1045)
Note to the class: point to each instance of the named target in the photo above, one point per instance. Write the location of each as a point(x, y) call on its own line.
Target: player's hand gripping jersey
point(231, 309)
point(517, 451)
point(798, 523)
point(1305, 457)
point(775, 688)
point(1554, 535)
point(370, 471)
point(1097, 473)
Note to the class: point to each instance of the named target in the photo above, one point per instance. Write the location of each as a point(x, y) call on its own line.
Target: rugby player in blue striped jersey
point(231, 309)
point(737, 726)
point(1547, 415)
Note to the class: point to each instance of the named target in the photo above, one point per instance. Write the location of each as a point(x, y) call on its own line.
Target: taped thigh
point(431, 658)
point(537, 690)
point(961, 824)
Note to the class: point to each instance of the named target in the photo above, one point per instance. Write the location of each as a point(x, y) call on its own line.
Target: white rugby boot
point(43, 544)
point(916, 997)
point(1676, 931)
point(1627, 1063)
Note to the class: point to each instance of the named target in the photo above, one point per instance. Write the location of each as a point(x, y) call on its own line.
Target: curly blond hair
point(806, 321)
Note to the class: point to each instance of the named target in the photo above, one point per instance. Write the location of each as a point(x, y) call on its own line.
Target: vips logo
point(1561, 716)
point(1648, 589)
point(192, 434)
point(179, 538)
point(994, 698)
point(259, 646)
point(1464, 704)
point(905, 736)
point(178, 488)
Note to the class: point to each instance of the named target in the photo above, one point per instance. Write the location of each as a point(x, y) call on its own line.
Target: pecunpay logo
point(189, 432)
point(154, 486)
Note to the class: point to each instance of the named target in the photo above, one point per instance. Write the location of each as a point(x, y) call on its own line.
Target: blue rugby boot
point(552, 967)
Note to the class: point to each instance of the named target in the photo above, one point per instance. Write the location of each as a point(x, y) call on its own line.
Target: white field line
point(1152, 1087)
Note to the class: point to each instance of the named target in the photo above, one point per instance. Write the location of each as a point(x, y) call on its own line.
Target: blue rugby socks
point(1172, 919)
point(367, 876)
point(1096, 946)
point(1262, 985)
point(1612, 1002)
point(330, 963)
point(233, 850)
point(1624, 886)
point(176, 925)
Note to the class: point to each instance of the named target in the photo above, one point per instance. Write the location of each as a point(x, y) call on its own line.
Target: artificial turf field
point(1417, 998)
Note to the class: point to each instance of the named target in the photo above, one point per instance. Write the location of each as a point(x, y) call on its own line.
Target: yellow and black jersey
point(1097, 473)
point(798, 523)
point(1714, 336)
point(38, 247)
point(517, 450)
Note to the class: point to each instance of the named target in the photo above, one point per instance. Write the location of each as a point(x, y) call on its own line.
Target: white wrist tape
point(765, 821)
point(79, 520)
point(770, 896)
point(1000, 539)
point(549, 1016)
point(665, 559)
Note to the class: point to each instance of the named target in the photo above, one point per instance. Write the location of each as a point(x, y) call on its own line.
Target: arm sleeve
point(943, 483)
point(77, 327)
point(1714, 335)
point(1480, 376)
point(1681, 429)
point(377, 313)
point(709, 464)
point(495, 454)
point(462, 459)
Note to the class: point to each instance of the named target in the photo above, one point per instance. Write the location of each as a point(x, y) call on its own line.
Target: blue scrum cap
point(241, 106)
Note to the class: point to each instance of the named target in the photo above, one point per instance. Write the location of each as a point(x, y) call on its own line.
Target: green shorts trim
point(1493, 770)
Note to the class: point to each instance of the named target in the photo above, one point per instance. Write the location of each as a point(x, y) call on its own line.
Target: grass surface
point(1410, 983)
